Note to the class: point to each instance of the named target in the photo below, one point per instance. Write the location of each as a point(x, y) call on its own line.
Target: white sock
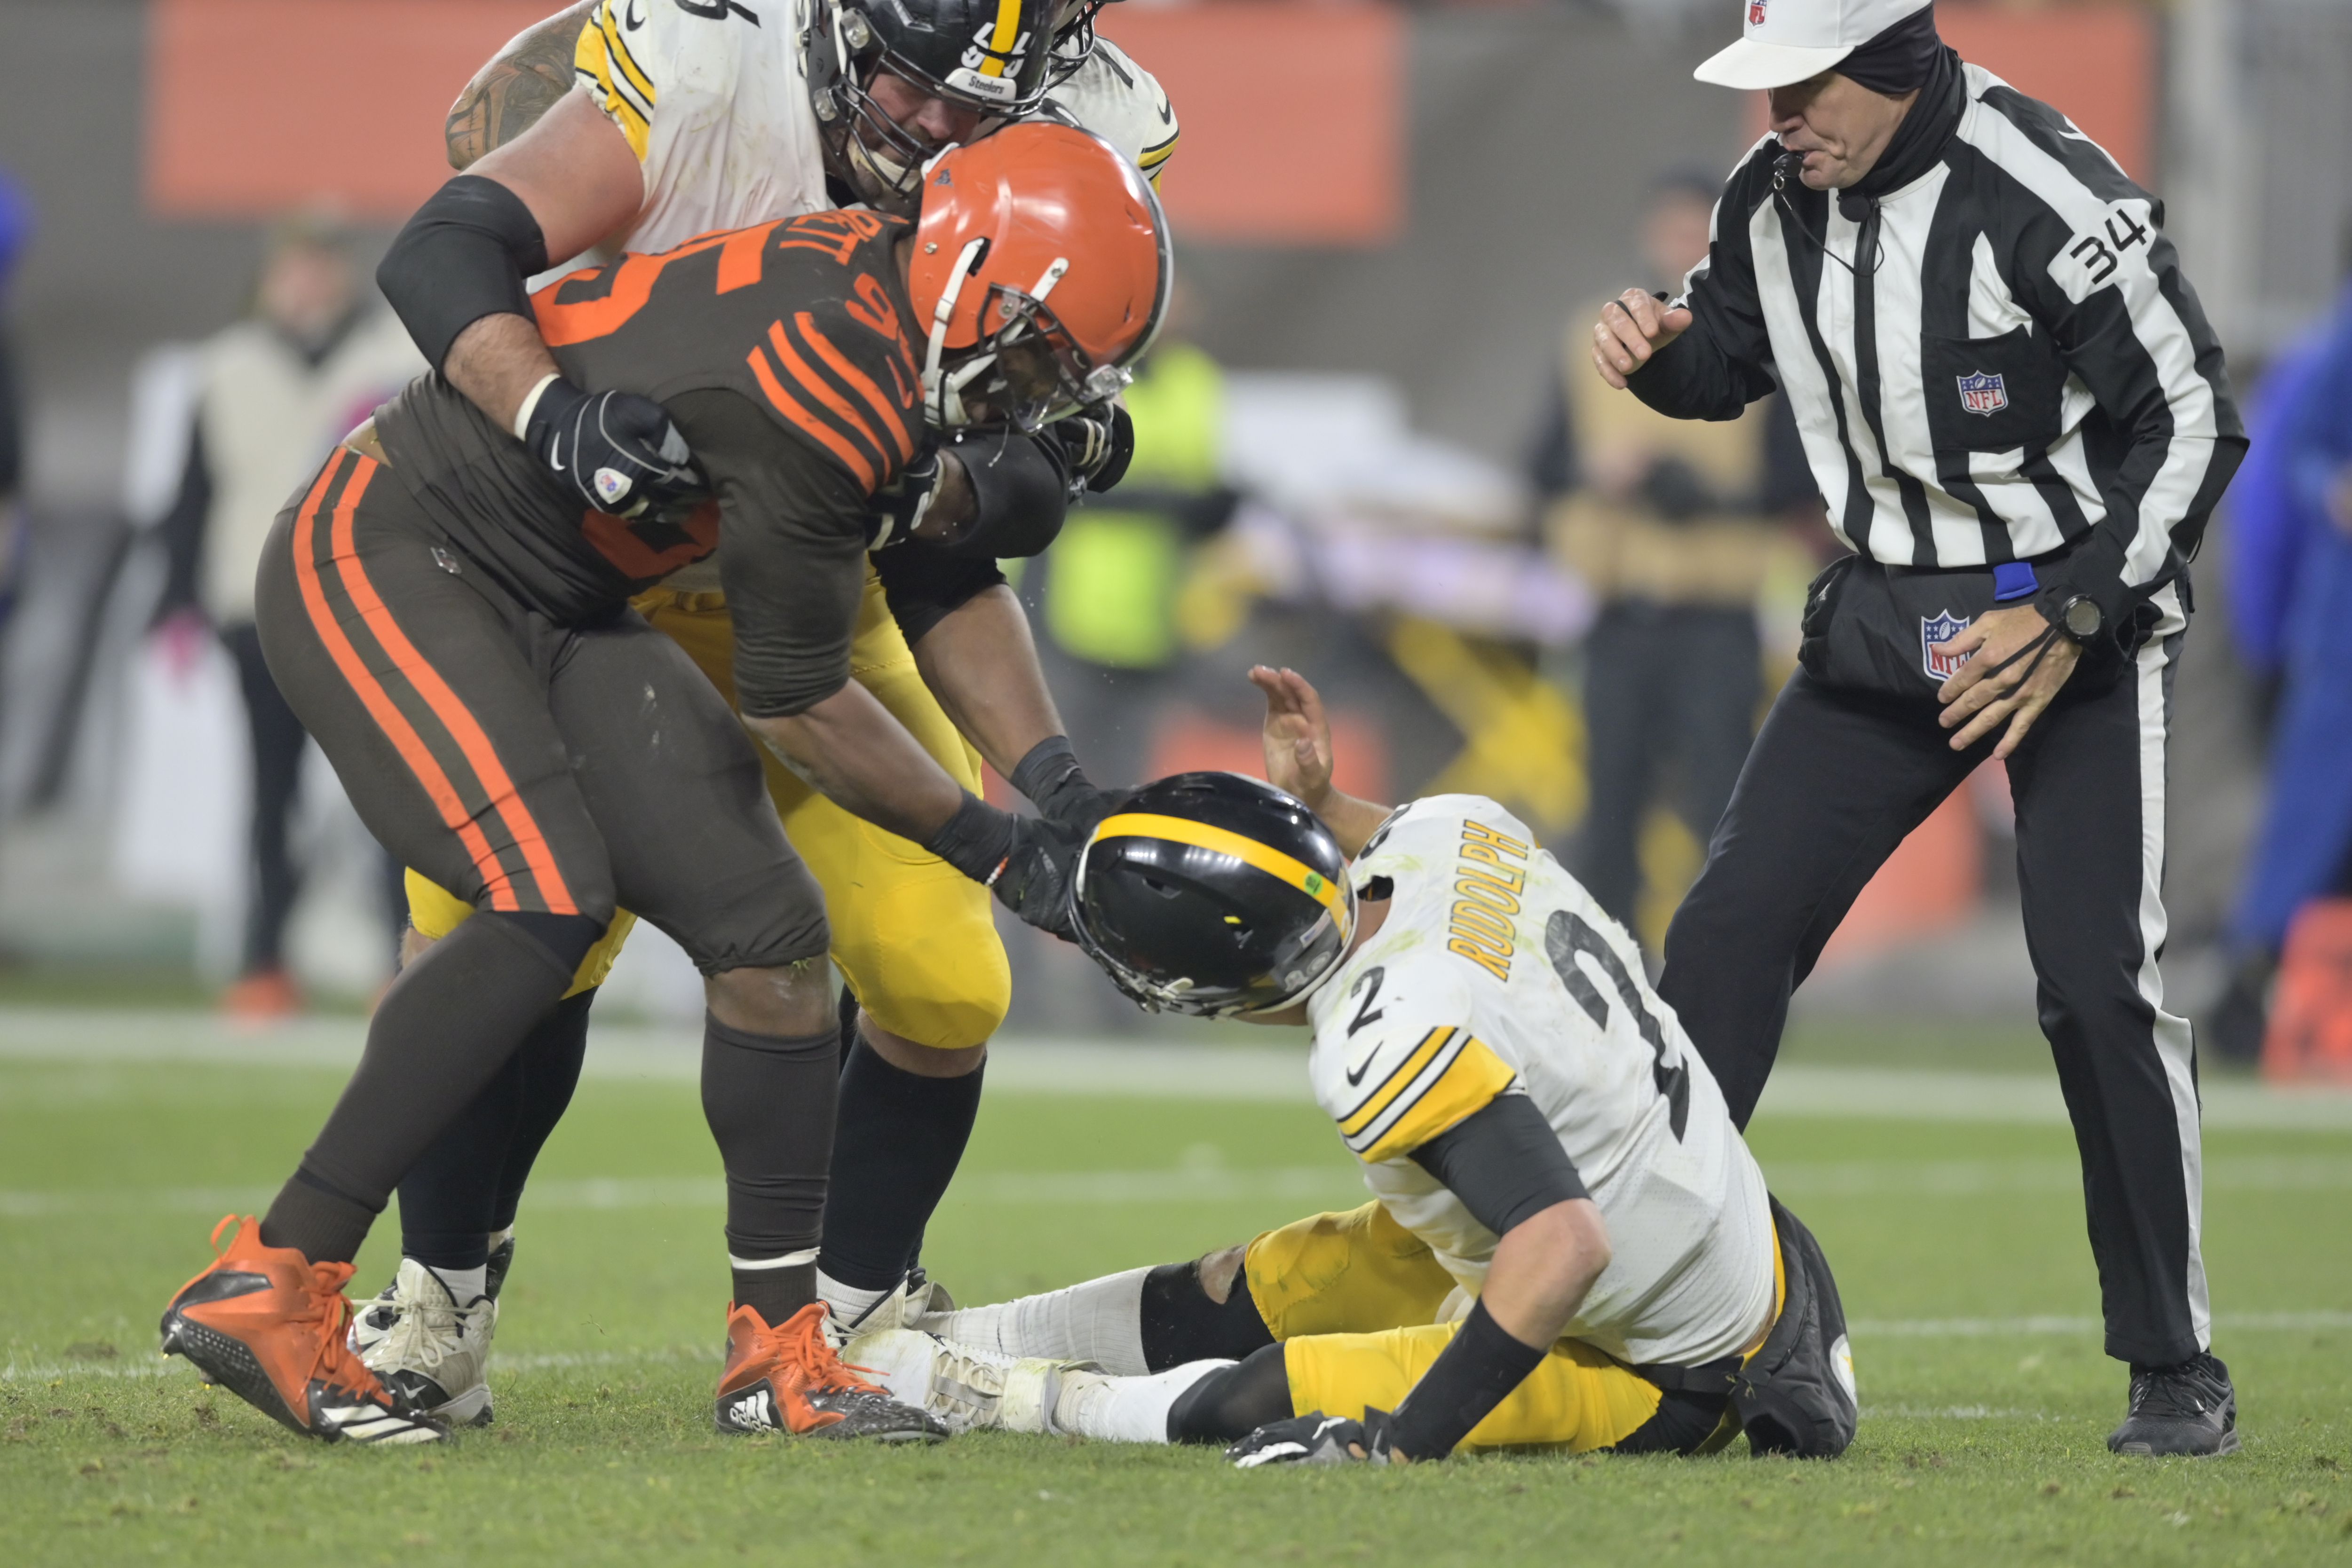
point(466, 1286)
point(1101, 1320)
point(848, 1302)
point(1125, 1410)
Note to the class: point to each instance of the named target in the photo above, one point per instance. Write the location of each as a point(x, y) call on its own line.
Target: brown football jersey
point(786, 354)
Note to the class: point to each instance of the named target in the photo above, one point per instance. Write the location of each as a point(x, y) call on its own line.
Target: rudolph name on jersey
point(1496, 974)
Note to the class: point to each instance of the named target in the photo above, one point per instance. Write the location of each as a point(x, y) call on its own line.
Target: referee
point(2019, 416)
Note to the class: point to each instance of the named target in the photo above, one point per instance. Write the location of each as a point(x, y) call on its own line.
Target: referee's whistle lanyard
point(1784, 169)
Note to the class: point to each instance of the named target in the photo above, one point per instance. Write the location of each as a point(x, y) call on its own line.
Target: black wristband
point(976, 840)
point(1473, 1374)
point(468, 253)
point(1046, 770)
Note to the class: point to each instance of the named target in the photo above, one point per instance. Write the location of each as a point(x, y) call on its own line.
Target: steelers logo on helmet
point(1211, 893)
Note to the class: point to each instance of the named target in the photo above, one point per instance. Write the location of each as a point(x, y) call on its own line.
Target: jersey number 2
point(1567, 938)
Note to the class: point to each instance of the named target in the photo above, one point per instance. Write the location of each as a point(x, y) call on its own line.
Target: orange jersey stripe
point(814, 383)
point(824, 434)
point(859, 382)
point(505, 798)
point(379, 702)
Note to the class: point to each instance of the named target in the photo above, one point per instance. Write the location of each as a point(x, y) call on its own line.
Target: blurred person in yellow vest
point(1107, 600)
point(276, 391)
point(1675, 524)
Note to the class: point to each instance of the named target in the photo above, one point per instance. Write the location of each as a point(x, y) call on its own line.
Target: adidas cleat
point(963, 1386)
point(428, 1348)
point(2187, 1409)
point(272, 1327)
point(790, 1379)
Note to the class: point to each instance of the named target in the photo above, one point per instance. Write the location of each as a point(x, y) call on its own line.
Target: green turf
point(1977, 1448)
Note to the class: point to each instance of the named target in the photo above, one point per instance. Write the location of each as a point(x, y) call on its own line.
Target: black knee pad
point(1233, 1401)
point(1181, 1323)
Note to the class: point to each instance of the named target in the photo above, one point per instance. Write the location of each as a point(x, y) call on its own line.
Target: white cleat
point(424, 1345)
point(963, 1386)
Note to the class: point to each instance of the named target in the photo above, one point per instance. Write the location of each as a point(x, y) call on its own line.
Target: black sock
point(443, 1030)
point(769, 1102)
point(775, 1294)
point(310, 1216)
point(468, 1182)
point(901, 1138)
point(550, 1063)
point(1233, 1401)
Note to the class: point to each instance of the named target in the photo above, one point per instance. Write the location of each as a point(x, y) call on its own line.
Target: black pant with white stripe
point(1838, 776)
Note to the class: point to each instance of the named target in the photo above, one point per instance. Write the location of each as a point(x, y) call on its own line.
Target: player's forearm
point(982, 664)
point(1544, 1267)
point(496, 363)
point(521, 82)
point(857, 755)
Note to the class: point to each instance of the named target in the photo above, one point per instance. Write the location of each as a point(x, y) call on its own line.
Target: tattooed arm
point(521, 82)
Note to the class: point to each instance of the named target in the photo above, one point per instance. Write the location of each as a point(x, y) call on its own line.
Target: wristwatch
point(2080, 617)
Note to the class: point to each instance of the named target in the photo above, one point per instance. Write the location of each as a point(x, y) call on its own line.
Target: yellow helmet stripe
point(1285, 868)
point(1001, 42)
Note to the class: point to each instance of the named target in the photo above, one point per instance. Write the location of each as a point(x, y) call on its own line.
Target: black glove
point(1050, 776)
point(617, 451)
point(1316, 1438)
point(1097, 443)
point(899, 505)
point(1024, 861)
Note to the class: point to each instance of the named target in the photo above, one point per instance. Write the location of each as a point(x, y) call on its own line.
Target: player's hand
point(1633, 327)
point(2018, 662)
point(1296, 736)
point(1097, 443)
point(617, 451)
point(1316, 1438)
point(1034, 882)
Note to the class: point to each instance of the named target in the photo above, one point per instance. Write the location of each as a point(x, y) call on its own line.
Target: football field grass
point(1953, 1218)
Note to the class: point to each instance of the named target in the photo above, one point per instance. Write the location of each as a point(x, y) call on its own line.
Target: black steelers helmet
point(1211, 894)
point(991, 56)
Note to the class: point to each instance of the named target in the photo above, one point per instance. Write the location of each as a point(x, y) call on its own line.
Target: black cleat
point(2189, 1409)
point(501, 1260)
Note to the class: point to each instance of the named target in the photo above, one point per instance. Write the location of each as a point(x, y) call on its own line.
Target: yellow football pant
point(1353, 1297)
point(913, 936)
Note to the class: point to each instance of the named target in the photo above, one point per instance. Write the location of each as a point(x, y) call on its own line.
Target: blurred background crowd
point(1370, 447)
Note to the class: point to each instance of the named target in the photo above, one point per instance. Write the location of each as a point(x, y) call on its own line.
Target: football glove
point(1316, 1438)
point(1024, 861)
point(617, 451)
point(1097, 443)
point(899, 505)
point(1050, 776)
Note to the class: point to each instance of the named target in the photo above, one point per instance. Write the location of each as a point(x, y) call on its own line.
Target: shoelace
point(2185, 1391)
point(423, 1334)
point(810, 1353)
point(325, 1304)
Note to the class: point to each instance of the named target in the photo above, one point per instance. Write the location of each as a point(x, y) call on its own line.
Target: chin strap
point(936, 385)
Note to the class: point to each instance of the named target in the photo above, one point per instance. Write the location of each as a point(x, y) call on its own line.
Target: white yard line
point(1265, 1073)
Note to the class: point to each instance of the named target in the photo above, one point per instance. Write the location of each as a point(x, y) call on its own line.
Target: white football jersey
point(1496, 974)
point(713, 97)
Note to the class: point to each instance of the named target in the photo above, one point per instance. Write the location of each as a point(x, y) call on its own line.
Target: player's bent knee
point(1233, 1401)
point(783, 999)
point(1182, 1321)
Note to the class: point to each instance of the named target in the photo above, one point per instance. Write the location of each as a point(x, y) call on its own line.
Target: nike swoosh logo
point(1362, 1065)
point(632, 21)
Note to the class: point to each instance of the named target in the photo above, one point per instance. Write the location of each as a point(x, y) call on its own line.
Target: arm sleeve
point(1504, 1162)
point(2094, 268)
point(925, 585)
point(1724, 362)
point(182, 529)
point(792, 551)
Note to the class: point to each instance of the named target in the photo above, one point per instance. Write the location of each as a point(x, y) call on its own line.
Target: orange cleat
point(265, 996)
point(269, 1326)
point(789, 1379)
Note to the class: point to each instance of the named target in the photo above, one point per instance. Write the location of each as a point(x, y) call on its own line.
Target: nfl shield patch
point(1983, 392)
point(1755, 13)
point(1935, 632)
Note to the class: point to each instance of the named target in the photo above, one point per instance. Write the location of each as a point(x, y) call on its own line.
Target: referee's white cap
point(1788, 41)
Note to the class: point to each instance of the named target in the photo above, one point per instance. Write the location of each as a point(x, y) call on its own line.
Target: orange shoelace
point(812, 1355)
point(326, 1305)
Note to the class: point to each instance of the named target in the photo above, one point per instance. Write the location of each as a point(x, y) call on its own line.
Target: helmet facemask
point(1027, 371)
point(881, 160)
point(1073, 39)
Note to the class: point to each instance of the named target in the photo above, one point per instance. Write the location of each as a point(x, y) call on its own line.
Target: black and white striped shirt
point(1998, 360)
